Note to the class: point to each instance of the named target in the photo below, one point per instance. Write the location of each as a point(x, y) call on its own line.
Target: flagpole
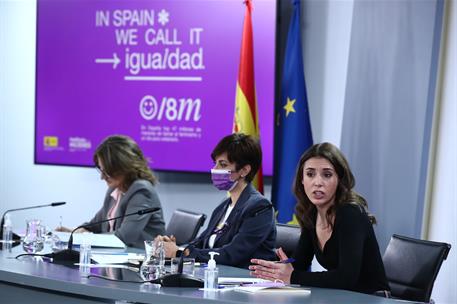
point(246, 112)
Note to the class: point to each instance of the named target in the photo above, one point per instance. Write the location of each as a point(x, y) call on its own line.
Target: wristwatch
point(182, 251)
point(179, 253)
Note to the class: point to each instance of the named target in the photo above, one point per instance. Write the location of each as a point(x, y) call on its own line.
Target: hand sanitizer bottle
point(211, 273)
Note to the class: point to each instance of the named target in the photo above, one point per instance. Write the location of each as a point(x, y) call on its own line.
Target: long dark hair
point(121, 157)
point(344, 191)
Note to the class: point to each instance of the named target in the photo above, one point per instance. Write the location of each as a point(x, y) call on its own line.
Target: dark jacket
point(351, 255)
point(250, 232)
point(133, 230)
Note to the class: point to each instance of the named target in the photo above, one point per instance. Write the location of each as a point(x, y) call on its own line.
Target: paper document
point(95, 239)
point(239, 281)
point(272, 287)
point(115, 258)
point(109, 266)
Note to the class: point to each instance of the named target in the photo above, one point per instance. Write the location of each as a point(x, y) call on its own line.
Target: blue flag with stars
point(292, 125)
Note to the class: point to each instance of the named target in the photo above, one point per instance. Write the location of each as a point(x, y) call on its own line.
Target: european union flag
point(293, 129)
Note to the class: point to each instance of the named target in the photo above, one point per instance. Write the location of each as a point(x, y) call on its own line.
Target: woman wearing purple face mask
point(242, 226)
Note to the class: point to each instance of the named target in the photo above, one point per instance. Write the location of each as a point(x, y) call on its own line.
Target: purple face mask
point(221, 179)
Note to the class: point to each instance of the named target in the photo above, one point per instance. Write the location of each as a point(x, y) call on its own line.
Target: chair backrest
point(184, 225)
point(412, 266)
point(287, 237)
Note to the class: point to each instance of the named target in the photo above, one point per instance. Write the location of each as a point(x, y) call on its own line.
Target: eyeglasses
point(102, 172)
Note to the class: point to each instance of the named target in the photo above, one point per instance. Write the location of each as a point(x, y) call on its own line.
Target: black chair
point(287, 237)
point(184, 225)
point(412, 266)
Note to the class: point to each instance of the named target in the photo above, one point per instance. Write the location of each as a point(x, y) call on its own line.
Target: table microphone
point(15, 236)
point(71, 256)
point(180, 279)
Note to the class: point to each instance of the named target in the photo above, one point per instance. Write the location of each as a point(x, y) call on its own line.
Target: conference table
point(34, 280)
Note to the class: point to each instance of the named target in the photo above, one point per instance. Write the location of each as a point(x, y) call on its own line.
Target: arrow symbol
point(115, 60)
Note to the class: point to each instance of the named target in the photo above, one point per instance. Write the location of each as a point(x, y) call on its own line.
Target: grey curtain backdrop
point(388, 110)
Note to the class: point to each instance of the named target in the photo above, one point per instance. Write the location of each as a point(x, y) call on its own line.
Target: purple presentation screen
point(162, 72)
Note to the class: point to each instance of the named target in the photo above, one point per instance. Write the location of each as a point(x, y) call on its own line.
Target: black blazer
point(250, 232)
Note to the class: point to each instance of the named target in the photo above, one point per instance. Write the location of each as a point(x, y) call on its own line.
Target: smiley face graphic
point(148, 107)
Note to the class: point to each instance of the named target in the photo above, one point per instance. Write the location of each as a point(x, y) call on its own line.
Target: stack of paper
point(94, 239)
point(239, 281)
point(271, 287)
point(115, 258)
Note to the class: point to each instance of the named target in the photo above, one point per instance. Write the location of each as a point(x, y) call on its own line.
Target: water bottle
point(161, 257)
point(84, 257)
point(84, 253)
point(7, 230)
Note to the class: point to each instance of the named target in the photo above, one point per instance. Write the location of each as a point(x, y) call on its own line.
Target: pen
point(286, 261)
point(198, 264)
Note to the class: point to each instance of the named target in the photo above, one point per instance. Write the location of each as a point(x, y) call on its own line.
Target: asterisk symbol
point(164, 17)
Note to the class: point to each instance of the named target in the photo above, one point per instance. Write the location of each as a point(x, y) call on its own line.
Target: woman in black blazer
point(242, 226)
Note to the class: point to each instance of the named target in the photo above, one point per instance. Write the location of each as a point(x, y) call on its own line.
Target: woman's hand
point(66, 229)
point(166, 238)
point(169, 245)
point(272, 270)
point(63, 229)
point(281, 254)
point(81, 230)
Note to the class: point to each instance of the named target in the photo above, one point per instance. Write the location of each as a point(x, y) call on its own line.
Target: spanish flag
point(246, 118)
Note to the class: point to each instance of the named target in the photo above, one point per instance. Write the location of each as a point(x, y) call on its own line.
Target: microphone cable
point(32, 254)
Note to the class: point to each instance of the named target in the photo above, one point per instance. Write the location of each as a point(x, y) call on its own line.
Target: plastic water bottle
point(161, 256)
point(84, 253)
point(84, 257)
point(7, 230)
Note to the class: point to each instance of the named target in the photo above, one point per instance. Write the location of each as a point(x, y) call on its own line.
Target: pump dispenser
point(212, 261)
point(211, 272)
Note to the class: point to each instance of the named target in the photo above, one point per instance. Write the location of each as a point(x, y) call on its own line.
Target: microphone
point(72, 256)
point(180, 279)
point(15, 236)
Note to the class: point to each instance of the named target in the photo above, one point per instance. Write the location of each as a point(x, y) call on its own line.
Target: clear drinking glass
point(153, 265)
point(188, 265)
point(57, 244)
point(34, 240)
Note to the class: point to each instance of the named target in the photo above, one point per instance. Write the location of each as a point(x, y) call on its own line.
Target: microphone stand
point(70, 256)
point(181, 279)
point(15, 236)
